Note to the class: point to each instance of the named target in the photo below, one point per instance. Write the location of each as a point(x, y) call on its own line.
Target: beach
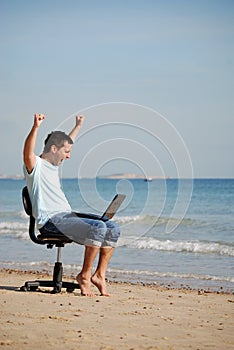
point(170, 290)
point(136, 316)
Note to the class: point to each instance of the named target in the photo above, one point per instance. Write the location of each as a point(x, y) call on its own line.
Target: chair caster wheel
point(23, 289)
point(55, 291)
point(28, 288)
point(33, 288)
point(70, 290)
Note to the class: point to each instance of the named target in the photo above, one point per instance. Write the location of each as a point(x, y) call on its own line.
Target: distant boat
point(148, 179)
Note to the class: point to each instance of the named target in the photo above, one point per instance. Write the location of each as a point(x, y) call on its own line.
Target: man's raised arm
point(29, 145)
point(75, 130)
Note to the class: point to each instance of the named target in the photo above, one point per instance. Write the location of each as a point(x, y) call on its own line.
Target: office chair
point(51, 239)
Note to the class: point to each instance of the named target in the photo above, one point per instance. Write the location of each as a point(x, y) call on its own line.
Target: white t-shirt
point(45, 191)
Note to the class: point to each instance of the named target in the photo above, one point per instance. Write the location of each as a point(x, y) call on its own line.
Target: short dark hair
point(56, 138)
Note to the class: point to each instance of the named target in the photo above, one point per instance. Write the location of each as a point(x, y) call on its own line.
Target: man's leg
point(99, 276)
point(83, 278)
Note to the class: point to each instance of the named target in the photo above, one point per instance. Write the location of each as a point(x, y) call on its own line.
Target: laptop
point(110, 210)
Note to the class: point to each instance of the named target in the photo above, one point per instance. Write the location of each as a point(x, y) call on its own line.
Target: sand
point(135, 317)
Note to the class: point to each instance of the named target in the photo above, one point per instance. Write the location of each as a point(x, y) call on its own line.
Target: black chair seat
point(53, 237)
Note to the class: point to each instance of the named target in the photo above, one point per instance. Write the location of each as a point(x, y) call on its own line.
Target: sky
point(154, 80)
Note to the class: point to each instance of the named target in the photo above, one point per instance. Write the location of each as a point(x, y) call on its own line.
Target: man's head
point(57, 147)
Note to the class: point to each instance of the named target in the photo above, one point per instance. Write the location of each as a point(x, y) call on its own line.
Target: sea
point(178, 233)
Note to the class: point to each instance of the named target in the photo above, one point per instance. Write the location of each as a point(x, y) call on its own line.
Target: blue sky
point(175, 57)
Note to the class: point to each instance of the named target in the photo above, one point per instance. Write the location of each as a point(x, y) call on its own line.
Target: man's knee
point(112, 234)
point(98, 229)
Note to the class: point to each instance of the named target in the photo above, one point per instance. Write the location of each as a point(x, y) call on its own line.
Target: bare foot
point(100, 283)
point(85, 285)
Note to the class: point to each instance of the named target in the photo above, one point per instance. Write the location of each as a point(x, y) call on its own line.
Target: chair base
point(35, 285)
point(57, 284)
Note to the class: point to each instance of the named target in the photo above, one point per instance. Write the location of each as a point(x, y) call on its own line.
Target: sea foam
point(178, 246)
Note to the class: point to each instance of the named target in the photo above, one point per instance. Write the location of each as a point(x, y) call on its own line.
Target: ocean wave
point(156, 220)
point(17, 229)
point(13, 214)
point(40, 265)
point(157, 274)
point(22, 214)
point(129, 274)
point(179, 246)
point(30, 264)
point(12, 226)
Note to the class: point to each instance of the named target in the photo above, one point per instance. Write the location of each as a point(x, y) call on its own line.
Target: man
point(53, 212)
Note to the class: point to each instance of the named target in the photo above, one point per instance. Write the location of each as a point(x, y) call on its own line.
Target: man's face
point(61, 154)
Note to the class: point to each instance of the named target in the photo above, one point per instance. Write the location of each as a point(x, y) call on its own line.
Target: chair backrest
point(28, 209)
point(26, 201)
